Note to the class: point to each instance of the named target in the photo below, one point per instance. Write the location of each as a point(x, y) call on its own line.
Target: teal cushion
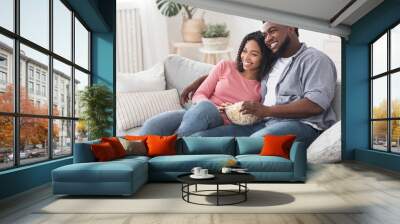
point(185, 163)
point(249, 145)
point(208, 145)
point(83, 152)
point(257, 163)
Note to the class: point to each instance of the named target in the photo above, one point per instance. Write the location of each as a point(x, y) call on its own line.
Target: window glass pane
point(6, 74)
point(379, 55)
point(34, 80)
point(81, 131)
point(379, 135)
point(62, 29)
point(35, 21)
point(81, 45)
point(379, 98)
point(62, 138)
point(395, 47)
point(395, 136)
point(33, 139)
point(62, 89)
point(81, 81)
point(7, 14)
point(395, 95)
point(6, 142)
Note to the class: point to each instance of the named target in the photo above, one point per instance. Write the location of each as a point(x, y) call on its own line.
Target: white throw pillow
point(133, 109)
point(327, 147)
point(152, 79)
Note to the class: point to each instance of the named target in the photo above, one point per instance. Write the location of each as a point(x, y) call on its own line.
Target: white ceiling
point(316, 15)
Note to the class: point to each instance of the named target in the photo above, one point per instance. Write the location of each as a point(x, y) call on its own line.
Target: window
point(54, 126)
point(30, 87)
point(38, 89)
point(385, 96)
point(3, 71)
point(30, 72)
point(3, 78)
point(44, 91)
point(7, 14)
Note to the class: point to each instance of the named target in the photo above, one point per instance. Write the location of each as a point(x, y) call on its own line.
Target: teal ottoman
point(118, 177)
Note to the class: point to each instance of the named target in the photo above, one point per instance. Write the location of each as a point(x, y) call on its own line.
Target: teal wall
point(99, 16)
point(356, 84)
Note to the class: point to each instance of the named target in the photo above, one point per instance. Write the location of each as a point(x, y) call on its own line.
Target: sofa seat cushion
point(257, 163)
point(185, 163)
point(112, 171)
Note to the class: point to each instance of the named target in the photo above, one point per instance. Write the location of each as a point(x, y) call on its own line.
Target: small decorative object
point(191, 27)
point(235, 116)
point(215, 37)
point(226, 170)
point(97, 103)
point(231, 163)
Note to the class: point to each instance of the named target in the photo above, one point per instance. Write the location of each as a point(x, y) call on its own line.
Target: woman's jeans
point(199, 117)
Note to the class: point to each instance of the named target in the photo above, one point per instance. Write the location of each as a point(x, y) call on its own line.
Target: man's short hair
point(296, 30)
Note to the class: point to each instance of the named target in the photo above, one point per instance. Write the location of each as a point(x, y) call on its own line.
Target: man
point(296, 94)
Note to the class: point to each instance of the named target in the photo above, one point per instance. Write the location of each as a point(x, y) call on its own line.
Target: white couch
point(177, 72)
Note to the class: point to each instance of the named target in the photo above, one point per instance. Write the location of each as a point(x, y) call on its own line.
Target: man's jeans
point(202, 116)
point(303, 132)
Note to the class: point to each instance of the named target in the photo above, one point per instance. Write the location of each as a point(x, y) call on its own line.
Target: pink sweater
point(225, 84)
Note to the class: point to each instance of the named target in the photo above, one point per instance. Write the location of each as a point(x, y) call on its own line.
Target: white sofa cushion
point(136, 107)
point(181, 71)
point(327, 148)
point(152, 79)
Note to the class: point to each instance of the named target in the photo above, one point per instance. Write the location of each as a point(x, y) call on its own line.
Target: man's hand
point(254, 108)
point(188, 92)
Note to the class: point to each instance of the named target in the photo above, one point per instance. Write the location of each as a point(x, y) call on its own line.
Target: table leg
point(196, 187)
point(217, 194)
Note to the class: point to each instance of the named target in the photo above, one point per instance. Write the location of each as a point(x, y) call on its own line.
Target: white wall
point(240, 26)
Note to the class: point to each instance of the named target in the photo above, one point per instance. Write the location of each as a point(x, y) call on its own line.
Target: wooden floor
point(378, 188)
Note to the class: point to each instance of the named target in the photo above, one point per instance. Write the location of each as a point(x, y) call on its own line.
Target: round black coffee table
point(238, 179)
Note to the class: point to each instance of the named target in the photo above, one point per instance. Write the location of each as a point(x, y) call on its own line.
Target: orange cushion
point(116, 145)
point(103, 152)
point(161, 145)
point(277, 145)
point(135, 138)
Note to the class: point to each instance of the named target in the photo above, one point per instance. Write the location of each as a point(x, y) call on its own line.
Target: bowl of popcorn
point(236, 117)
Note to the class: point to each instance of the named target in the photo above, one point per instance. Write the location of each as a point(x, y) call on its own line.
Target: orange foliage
point(33, 130)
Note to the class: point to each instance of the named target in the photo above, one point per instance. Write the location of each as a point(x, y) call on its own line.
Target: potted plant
point(96, 102)
point(215, 37)
point(191, 27)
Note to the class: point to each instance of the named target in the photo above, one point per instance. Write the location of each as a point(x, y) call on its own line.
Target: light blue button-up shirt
point(311, 74)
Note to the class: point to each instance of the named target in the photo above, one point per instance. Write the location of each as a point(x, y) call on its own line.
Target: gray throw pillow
point(134, 147)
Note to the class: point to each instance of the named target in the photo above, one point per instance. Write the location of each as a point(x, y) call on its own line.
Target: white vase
point(216, 43)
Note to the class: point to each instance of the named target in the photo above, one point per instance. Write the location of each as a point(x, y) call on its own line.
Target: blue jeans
point(202, 116)
point(304, 132)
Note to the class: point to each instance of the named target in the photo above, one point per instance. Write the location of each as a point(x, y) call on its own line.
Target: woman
point(229, 82)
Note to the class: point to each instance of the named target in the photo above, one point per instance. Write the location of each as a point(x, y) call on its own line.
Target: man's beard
point(283, 48)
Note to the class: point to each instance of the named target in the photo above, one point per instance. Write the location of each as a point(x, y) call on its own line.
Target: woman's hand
point(221, 108)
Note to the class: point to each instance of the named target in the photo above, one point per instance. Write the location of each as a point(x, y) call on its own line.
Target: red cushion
point(116, 145)
point(161, 145)
point(277, 145)
point(103, 151)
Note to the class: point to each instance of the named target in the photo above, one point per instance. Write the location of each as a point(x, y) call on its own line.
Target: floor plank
point(377, 190)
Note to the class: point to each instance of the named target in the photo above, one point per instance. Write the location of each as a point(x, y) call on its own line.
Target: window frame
point(388, 74)
point(16, 114)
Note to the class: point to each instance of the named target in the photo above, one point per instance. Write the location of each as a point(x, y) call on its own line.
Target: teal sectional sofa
point(125, 176)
